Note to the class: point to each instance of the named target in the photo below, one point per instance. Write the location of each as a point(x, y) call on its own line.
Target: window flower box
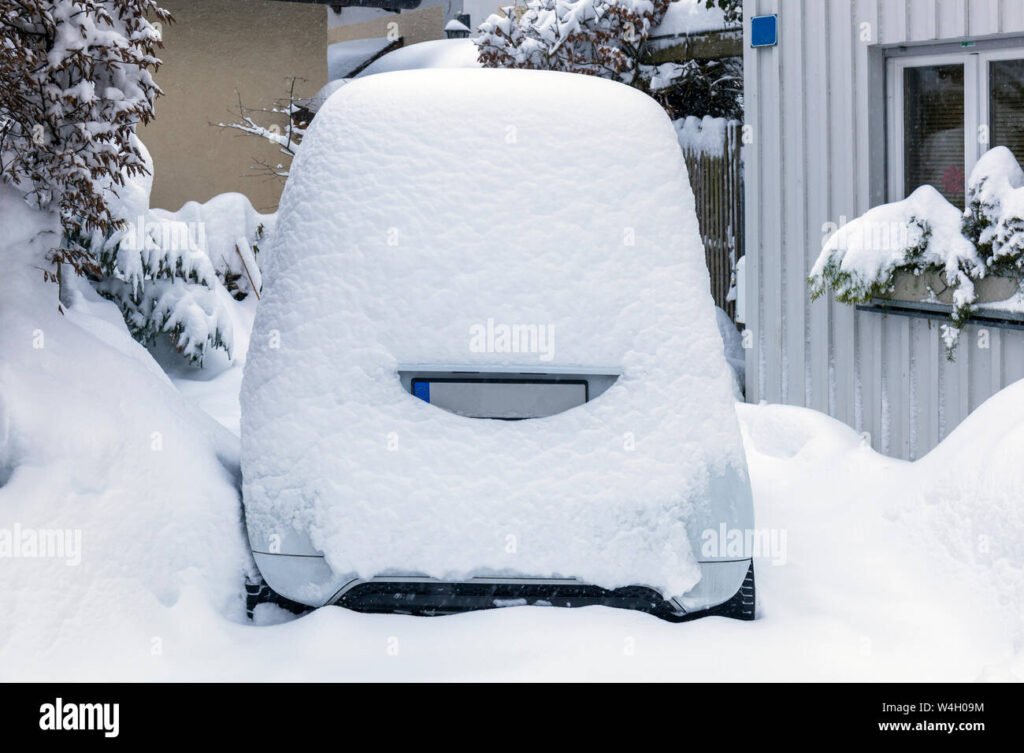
point(932, 287)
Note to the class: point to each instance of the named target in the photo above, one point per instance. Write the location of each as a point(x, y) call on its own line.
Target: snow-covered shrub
point(178, 274)
point(711, 87)
point(605, 38)
point(230, 233)
point(76, 78)
point(76, 81)
point(164, 284)
point(994, 219)
point(733, 9)
point(609, 38)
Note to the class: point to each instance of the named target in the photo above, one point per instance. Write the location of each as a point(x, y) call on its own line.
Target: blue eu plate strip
point(422, 391)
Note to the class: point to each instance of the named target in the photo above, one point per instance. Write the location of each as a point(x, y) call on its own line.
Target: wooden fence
point(717, 182)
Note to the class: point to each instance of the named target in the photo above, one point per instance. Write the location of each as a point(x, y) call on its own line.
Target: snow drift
point(424, 203)
point(100, 452)
point(972, 485)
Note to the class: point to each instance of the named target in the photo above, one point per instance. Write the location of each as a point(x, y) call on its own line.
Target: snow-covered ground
point(123, 555)
point(887, 570)
point(877, 570)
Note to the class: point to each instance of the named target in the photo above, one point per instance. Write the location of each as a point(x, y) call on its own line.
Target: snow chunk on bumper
point(422, 205)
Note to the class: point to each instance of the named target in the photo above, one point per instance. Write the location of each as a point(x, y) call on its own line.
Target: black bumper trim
point(433, 598)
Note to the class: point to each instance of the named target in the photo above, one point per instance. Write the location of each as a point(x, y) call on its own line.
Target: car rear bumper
point(307, 579)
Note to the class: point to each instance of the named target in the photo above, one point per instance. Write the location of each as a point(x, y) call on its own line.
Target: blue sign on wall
point(764, 31)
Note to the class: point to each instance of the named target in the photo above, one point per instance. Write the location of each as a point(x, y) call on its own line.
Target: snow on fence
point(712, 148)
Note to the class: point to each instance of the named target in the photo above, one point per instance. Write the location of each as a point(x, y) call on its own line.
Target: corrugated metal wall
point(815, 104)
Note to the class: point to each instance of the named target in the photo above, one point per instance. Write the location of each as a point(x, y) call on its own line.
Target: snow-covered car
point(485, 370)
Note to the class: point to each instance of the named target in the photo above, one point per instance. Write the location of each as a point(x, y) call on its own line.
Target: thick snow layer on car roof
point(424, 204)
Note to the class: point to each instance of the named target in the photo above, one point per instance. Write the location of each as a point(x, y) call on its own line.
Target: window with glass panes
point(945, 111)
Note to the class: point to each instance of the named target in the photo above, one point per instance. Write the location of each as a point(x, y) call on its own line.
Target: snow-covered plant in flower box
point(994, 218)
point(863, 259)
point(924, 248)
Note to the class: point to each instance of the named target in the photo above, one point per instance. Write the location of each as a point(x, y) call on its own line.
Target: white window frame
point(985, 94)
point(977, 107)
point(895, 106)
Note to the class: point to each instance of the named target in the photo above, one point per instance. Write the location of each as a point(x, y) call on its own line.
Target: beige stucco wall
point(214, 49)
point(421, 25)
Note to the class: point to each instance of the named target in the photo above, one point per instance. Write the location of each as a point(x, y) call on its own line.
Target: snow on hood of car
point(424, 204)
point(436, 53)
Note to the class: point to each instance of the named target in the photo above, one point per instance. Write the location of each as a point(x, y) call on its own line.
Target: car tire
point(743, 605)
point(258, 592)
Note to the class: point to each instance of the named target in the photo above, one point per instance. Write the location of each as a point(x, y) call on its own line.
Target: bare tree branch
point(287, 138)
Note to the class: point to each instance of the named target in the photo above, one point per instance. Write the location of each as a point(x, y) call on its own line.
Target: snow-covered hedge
point(76, 78)
point(597, 37)
point(925, 234)
point(611, 39)
point(178, 274)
